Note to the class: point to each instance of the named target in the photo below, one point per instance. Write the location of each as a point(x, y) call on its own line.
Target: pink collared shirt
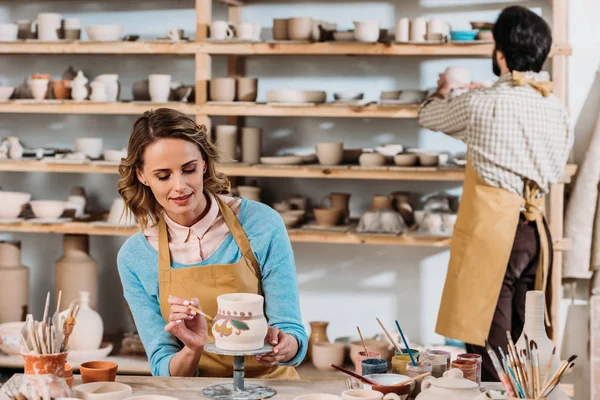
point(194, 244)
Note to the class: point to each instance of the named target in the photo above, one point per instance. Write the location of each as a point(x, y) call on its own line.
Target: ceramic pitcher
point(240, 324)
point(79, 91)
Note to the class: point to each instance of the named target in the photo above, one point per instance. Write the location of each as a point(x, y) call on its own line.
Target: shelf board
point(322, 110)
point(84, 47)
point(88, 107)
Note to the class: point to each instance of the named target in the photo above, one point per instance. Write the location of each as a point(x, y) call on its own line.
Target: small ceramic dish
point(463, 35)
point(6, 92)
point(387, 381)
point(406, 159)
point(347, 36)
point(282, 160)
point(348, 96)
point(429, 159)
point(103, 391)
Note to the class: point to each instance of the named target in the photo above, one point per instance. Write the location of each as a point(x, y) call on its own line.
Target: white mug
point(8, 32)
point(221, 30)
point(160, 87)
point(39, 88)
point(47, 24)
point(403, 30)
point(246, 31)
point(72, 23)
point(174, 34)
point(436, 27)
point(257, 31)
point(418, 29)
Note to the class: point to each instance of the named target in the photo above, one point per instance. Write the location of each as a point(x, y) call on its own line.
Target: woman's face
point(174, 171)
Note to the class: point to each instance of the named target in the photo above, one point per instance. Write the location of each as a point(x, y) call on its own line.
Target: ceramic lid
point(453, 379)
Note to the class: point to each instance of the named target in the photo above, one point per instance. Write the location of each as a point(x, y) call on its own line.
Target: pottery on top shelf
point(330, 153)
point(14, 282)
point(104, 33)
point(240, 324)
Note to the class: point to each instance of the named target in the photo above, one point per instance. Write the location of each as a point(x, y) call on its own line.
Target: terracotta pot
point(98, 371)
point(341, 201)
point(75, 271)
point(324, 354)
point(359, 356)
point(44, 364)
point(247, 89)
point(227, 141)
point(280, 29)
point(318, 334)
point(251, 145)
point(69, 378)
point(222, 89)
point(330, 153)
point(300, 28)
point(14, 282)
point(328, 217)
point(240, 324)
point(380, 202)
point(61, 89)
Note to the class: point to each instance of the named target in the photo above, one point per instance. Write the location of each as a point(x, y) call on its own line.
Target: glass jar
point(438, 363)
point(442, 353)
point(468, 367)
point(415, 370)
point(415, 353)
point(476, 357)
point(372, 366)
point(399, 364)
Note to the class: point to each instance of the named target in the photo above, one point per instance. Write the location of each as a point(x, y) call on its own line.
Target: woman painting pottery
point(197, 243)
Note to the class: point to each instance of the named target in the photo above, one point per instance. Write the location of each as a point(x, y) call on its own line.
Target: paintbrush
point(549, 367)
point(518, 367)
point(503, 378)
point(355, 375)
point(199, 311)
point(363, 342)
point(514, 378)
point(388, 335)
point(558, 375)
point(535, 368)
point(558, 379)
point(412, 359)
point(414, 378)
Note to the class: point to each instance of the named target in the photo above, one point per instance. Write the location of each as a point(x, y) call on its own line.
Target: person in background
point(518, 140)
point(197, 243)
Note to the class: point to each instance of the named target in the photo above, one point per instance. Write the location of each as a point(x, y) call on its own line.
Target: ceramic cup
point(226, 141)
point(222, 89)
point(248, 31)
point(300, 28)
point(366, 31)
point(328, 217)
point(24, 29)
point(73, 34)
point(280, 29)
point(418, 30)
point(221, 30)
point(437, 29)
point(360, 356)
point(91, 147)
point(249, 192)
point(47, 26)
point(403, 30)
point(39, 88)
point(160, 87)
point(330, 153)
point(9, 32)
point(324, 354)
point(175, 34)
point(98, 371)
point(61, 89)
point(247, 89)
point(72, 23)
point(251, 145)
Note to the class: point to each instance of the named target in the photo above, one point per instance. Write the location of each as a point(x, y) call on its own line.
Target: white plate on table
point(81, 356)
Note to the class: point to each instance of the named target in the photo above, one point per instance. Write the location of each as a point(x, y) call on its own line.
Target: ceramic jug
point(452, 386)
point(111, 82)
point(79, 90)
point(14, 282)
point(75, 271)
point(98, 92)
point(318, 334)
point(89, 328)
point(240, 323)
point(15, 150)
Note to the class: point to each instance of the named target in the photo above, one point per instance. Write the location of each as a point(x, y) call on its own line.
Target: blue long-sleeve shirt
point(138, 267)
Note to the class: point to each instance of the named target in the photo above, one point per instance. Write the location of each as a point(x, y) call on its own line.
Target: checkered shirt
point(512, 132)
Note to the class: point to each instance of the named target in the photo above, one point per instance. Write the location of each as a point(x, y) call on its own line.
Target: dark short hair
point(523, 37)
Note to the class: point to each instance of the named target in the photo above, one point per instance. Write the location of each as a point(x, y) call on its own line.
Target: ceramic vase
point(75, 271)
point(14, 282)
point(318, 334)
point(16, 150)
point(89, 328)
point(227, 139)
point(98, 92)
point(240, 323)
point(79, 90)
point(251, 144)
point(535, 329)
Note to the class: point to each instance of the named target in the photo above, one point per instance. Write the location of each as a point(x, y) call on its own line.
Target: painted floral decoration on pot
point(240, 323)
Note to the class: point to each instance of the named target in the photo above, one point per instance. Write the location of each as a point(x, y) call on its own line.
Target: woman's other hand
point(285, 348)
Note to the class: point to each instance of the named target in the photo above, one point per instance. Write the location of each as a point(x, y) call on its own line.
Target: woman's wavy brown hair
point(154, 125)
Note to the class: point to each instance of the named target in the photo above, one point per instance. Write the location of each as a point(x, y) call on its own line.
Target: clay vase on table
point(240, 323)
point(75, 271)
point(318, 334)
point(14, 282)
point(89, 328)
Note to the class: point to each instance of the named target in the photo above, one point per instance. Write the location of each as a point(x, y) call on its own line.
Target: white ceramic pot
point(452, 386)
point(39, 88)
point(12, 203)
point(247, 31)
point(221, 30)
point(15, 151)
point(240, 324)
point(111, 82)
point(418, 29)
point(47, 24)
point(366, 31)
point(47, 209)
point(79, 90)
point(104, 33)
point(91, 147)
point(6, 92)
point(8, 32)
point(98, 92)
point(89, 328)
point(403, 30)
point(160, 87)
point(300, 28)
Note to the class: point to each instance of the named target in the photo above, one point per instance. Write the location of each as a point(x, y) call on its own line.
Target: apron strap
point(164, 255)
point(520, 79)
point(239, 236)
point(533, 212)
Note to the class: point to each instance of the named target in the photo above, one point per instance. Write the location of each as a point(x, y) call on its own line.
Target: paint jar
point(361, 355)
point(372, 366)
point(438, 364)
point(399, 364)
point(442, 353)
point(414, 370)
point(468, 367)
point(476, 357)
point(415, 353)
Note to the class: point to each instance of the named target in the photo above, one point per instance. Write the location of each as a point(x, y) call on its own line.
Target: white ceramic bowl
point(103, 391)
point(104, 33)
point(296, 96)
point(48, 209)
point(346, 96)
point(12, 203)
point(6, 92)
point(406, 159)
point(114, 155)
point(91, 147)
point(389, 151)
point(429, 159)
point(9, 335)
point(343, 36)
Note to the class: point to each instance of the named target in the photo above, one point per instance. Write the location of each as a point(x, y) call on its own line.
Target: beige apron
point(206, 283)
point(479, 252)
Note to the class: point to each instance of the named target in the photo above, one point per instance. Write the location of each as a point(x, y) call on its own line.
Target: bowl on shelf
point(6, 92)
point(406, 159)
point(429, 159)
point(296, 96)
point(348, 96)
point(347, 36)
point(12, 203)
point(47, 209)
point(91, 147)
point(114, 155)
point(9, 337)
point(104, 33)
point(485, 35)
point(282, 160)
point(460, 36)
point(480, 25)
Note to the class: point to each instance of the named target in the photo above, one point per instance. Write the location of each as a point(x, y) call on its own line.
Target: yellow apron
point(479, 252)
point(206, 283)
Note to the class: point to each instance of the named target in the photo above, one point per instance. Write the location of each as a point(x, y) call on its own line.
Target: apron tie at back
point(521, 79)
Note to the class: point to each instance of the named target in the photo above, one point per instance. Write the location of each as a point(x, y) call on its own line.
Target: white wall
point(347, 285)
